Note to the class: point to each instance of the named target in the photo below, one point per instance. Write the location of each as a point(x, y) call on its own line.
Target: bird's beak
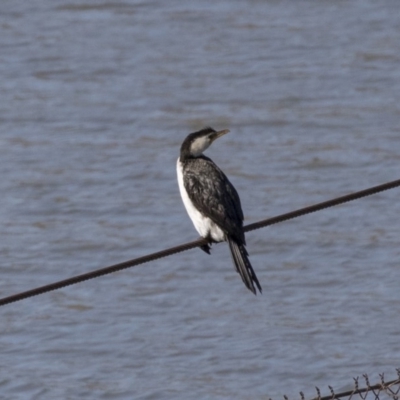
point(215, 135)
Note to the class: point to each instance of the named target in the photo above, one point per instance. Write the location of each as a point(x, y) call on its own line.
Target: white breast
point(204, 225)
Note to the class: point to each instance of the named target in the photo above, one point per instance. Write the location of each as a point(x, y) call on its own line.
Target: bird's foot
point(206, 248)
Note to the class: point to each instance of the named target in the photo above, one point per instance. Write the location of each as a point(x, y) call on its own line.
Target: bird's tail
point(243, 266)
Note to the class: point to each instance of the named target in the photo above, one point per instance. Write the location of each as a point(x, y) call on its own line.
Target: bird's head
point(197, 142)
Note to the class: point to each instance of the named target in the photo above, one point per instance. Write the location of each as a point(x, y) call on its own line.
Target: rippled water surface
point(96, 98)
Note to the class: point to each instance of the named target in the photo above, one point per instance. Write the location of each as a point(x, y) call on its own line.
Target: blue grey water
point(95, 100)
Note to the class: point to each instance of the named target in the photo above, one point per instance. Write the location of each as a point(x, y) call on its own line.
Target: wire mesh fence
point(363, 390)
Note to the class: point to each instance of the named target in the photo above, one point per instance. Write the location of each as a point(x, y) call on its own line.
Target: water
point(96, 98)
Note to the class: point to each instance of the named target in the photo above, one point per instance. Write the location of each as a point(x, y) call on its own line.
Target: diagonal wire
point(326, 204)
point(196, 243)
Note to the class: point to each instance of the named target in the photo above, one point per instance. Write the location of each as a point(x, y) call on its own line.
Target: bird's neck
point(186, 155)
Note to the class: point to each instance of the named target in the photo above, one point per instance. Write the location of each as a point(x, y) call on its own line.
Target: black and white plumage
point(212, 202)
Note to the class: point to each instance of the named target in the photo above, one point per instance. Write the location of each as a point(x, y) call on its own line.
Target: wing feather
point(214, 195)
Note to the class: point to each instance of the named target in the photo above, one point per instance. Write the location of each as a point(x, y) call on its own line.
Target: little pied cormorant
point(212, 202)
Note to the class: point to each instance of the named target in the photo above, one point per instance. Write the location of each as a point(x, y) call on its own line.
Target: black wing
point(214, 196)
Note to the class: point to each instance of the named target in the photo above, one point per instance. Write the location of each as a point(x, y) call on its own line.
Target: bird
point(212, 202)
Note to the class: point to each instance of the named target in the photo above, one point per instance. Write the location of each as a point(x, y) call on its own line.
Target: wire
point(375, 389)
point(323, 205)
point(196, 243)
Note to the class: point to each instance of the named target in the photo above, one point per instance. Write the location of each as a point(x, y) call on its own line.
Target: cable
point(196, 243)
point(323, 205)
